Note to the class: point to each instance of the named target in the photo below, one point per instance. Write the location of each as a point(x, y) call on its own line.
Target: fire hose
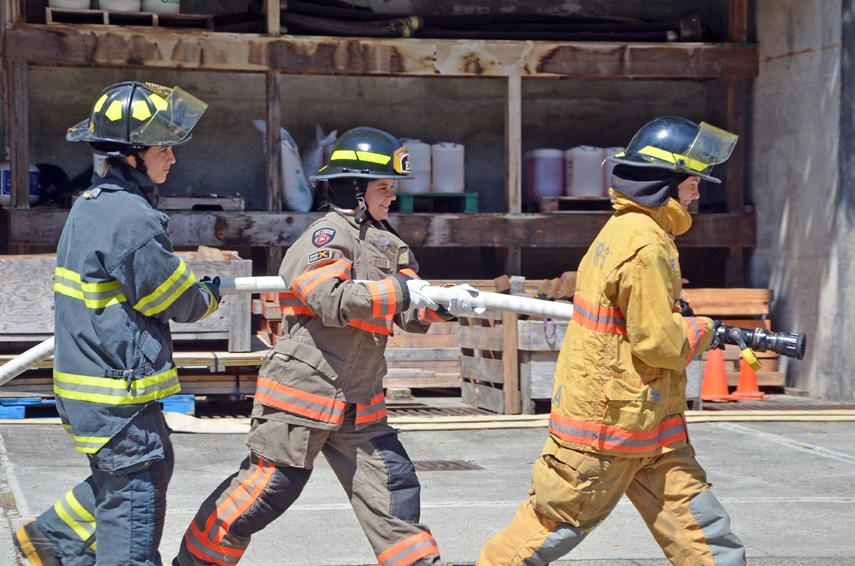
point(274, 284)
point(783, 343)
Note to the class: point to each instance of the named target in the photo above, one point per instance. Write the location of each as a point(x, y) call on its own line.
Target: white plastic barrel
point(584, 172)
point(6, 184)
point(419, 167)
point(447, 173)
point(543, 173)
point(70, 4)
point(162, 6)
point(608, 166)
point(119, 5)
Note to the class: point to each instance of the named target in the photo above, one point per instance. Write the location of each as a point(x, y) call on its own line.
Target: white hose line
point(275, 284)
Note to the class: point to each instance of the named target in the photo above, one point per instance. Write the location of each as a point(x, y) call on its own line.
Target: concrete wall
point(804, 241)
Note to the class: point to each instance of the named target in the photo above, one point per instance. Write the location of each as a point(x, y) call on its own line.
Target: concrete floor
point(789, 487)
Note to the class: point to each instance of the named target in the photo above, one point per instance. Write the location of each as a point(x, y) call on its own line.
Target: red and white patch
point(322, 236)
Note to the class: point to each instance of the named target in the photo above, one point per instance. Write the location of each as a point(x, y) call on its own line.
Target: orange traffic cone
point(714, 385)
point(747, 388)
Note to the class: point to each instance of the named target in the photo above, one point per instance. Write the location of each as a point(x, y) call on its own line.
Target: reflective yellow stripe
point(158, 293)
point(61, 285)
point(100, 103)
point(140, 110)
point(158, 101)
point(115, 391)
point(80, 530)
point(350, 155)
point(671, 157)
point(212, 303)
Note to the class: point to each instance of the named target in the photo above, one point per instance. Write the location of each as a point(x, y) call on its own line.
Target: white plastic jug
point(119, 5)
point(162, 6)
point(419, 166)
point(447, 174)
point(543, 173)
point(6, 184)
point(608, 166)
point(70, 4)
point(584, 172)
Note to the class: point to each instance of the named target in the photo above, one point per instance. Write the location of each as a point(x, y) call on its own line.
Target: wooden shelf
point(126, 47)
point(234, 228)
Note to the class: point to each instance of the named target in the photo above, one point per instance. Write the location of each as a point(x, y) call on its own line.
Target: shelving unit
point(82, 45)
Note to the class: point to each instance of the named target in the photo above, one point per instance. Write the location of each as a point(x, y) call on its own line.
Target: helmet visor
point(177, 112)
point(711, 146)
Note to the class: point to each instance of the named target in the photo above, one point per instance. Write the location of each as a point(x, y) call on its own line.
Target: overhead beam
point(166, 48)
point(567, 230)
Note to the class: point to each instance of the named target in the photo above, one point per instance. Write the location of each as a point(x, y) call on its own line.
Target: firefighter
point(320, 391)
point(117, 285)
point(617, 424)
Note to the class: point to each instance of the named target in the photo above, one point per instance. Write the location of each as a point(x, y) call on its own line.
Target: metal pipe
point(275, 284)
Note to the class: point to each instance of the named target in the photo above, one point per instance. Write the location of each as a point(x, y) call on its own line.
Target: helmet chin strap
point(362, 213)
point(141, 167)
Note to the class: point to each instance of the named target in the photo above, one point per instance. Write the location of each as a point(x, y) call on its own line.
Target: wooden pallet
point(436, 202)
point(147, 19)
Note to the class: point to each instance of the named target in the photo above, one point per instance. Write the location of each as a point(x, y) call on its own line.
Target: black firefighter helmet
point(359, 156)
point(130, 116)
point(679, 144)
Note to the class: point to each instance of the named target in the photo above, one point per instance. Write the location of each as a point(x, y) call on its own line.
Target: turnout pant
point(115, 516)
point(572, 492)
point(371, 464)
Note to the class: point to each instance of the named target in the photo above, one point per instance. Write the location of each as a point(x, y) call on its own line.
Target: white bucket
point(6, 184)
point(419, 166)
point(608, 166)
point(584, 171)
point(119, 5)
point(162, 6)
point(447, 174)
point(543, 173)
point(70, 4)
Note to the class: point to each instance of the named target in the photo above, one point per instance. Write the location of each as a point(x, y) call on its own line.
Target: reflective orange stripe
point(218, 523)
point(377, 326)
point(408, 272)
point(429, 315)
point(304, 283)
point(598, 318)
point(383, 297)
point(309, 405)
point(606, 437)
point(409, 550)
point(374, 412)
point(291, 305)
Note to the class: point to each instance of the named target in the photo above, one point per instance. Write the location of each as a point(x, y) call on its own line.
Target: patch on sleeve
point(323, 236)
point(320, 255)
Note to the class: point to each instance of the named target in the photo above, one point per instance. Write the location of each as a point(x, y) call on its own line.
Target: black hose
point(383, 28)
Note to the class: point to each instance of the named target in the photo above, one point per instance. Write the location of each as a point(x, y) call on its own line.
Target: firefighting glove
point(417, 298)
point(213, 287)
point(718, 331)
point(685, 308)
point(460, 303)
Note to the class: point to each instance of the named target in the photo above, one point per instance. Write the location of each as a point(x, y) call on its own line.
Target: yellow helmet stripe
point(350, 155)
point(140, 110)
point(100, 103)
point(671, 157)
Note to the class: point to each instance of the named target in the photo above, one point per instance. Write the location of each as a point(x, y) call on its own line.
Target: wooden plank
point(482, 369)
point(481, 338)
point(406, 340)
point(422, 354)
point(249, 228)
point(733, 302)
point(510, 363)
point(186, 202)
point(541, 335)
point(482, 396)
point(537, 372)
point(420, 378)
point(19, 144)
point(272, 17)
point(513, 144)
point(120, 47)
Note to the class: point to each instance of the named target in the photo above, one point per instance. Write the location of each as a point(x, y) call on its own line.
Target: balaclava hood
point(648, 186)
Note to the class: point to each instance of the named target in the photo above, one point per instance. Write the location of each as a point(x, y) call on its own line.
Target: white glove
point(417, 298)
point(460, 303)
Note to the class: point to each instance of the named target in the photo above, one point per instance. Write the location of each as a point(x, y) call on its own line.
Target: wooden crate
point(27, 299)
